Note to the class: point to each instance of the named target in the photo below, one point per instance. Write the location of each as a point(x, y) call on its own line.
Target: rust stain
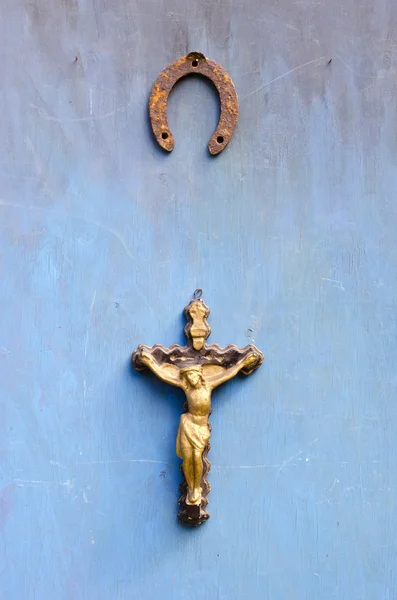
point(193, 63)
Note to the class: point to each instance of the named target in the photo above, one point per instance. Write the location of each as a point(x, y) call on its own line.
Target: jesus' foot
point(194, 496)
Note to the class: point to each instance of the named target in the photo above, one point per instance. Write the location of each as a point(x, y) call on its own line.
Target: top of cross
point(197, 352)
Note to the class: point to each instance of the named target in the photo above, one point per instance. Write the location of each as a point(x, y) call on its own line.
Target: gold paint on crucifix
point(197, 369)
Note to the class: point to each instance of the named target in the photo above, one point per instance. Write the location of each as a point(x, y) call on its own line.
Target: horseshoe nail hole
point(195, 62)
point(164, 135)
point(220, 139)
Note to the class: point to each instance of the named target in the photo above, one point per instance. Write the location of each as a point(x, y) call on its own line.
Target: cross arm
point(142, 358)
point(246, 363)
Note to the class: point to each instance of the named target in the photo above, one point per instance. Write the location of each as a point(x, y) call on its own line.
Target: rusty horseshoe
point(194, 62)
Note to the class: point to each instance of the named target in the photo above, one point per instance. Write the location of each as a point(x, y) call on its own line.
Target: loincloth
point(193, 434)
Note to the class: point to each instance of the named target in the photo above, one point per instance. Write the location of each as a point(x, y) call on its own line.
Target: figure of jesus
point(197, 382)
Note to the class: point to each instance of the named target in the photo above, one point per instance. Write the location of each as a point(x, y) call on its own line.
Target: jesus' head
point(193, 376)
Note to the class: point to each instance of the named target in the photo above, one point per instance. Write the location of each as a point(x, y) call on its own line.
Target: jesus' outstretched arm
point(164, 371)
point(229, 373)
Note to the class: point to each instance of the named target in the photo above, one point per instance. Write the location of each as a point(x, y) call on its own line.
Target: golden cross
point(197, 369)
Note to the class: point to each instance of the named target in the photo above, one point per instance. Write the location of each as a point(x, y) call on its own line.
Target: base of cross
point(192, 515)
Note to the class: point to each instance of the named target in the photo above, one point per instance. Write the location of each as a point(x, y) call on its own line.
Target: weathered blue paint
point(291, 232)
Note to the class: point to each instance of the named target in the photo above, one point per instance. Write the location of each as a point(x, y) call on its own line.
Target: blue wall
point(291, 232)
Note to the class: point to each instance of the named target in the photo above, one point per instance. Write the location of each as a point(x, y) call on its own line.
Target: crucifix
point(197, 368)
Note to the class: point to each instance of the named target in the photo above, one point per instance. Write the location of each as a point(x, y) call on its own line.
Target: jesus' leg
point(195, 497)
point(188, 470)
